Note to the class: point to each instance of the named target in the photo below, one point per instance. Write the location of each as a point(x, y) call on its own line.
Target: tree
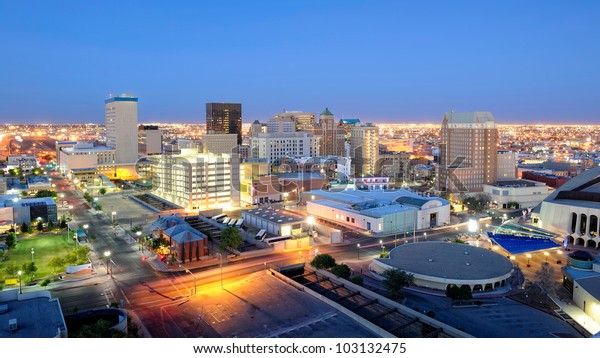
point(11, 240)
point(82, 254)
point(11, 270)
point(323, 262)
point(357, 280)
point(459, 293)
point(56, 263)
point(29, 269)
point(230, 238)
point(24, 228)
point(37, 171)
point(342, 271)
point(478, 202)
point(394, 280)
point(544, 279)
point(39, 226)
point(46, 194)
point(24, 193)
point(100, 329)
point(102, 191)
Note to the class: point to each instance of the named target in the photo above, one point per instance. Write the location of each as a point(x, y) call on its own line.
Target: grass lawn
point(45, 246)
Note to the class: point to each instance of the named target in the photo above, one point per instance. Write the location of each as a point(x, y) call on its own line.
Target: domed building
point(439, 265)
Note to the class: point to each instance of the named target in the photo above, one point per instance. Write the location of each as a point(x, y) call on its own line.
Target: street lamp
point(424, 236)
point(20, 273)
point(528, 257)
point(358, 251)
point(107, 255)
point(316, 252)
point(310, 221)
point(221, 266)
point(194, 276)
point(546, 254)
point(32, 252)
point(113, 214)
point(139, 237)
point(381, 244)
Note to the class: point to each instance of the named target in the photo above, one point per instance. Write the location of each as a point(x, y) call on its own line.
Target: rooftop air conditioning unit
point(12, 324)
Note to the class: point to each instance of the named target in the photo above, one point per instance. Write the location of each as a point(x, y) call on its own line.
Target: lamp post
point(546, 254)
point(310, 221)
point(194, 276)
point(381, 244)
point(112, 215)
point(32, 252)
point(221, 266)
point(20, 273)
point(139, 237)
point(316, 252)
point(424, 236)
point(528, 257)
point(107, 255)
point(358, 251)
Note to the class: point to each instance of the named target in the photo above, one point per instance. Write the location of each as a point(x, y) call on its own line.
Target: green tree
point(102, 191)
point(11, 270)
point(342, 271)
point(478, 202)
point(57, 264)
point(24, 193)
point(230, 238)
point(46, 194)
point(11, 240)
point(37, 171)
point(323, 262)
point(88, 197)
point(457, 293)
point(39, 226)
point(100, 329)
point(24, 228)
point(394, 280)
point(29, 269)
point(82, 254)
point(357, 280)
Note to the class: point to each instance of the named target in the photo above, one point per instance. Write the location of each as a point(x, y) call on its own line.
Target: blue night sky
point(380, 61)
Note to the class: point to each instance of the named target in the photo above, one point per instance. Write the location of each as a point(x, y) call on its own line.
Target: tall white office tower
point(121, 113)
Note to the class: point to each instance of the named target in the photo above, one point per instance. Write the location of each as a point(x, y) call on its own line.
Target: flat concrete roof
point(277, 216)
point(591, 285)
point(37, 317)
point(449, 260)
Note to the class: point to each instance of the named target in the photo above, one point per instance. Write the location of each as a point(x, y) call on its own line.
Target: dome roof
point(581, 255)
point(326, 112)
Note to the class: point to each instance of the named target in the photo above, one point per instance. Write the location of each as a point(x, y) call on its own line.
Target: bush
point(44, 283)
point(357, 280)
point(323, 262)
point(342, 270)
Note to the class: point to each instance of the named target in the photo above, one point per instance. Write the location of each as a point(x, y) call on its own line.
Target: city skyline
point(382, 62)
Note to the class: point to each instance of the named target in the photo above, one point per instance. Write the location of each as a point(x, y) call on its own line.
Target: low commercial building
point(186, 244)
point(581, 277)
point(572, 211)
point(378, 211)
point(517, 193)
point(24, 162)
point(30, 209)
point(277, 222)
point(31, 315)
point(439, 265)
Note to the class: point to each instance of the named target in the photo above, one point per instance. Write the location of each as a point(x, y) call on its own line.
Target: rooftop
point(449, 260)
point(278, 216)
point(38, 315)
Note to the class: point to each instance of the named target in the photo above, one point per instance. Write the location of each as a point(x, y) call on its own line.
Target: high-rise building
point(281, 125)
point(273, 146)
point(302, 120)
point(194, 180)
point(151, 138)
point(219, 143)
point(468, 152)
point(224, 118)
point(121, 114)
point(364, 143)
point(332, 135)
point(507, 165)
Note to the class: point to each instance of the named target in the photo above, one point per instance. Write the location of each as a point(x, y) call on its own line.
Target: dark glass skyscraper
point(224, 118)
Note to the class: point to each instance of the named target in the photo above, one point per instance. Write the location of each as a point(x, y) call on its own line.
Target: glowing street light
point(528, 258)
point(358, 251)
point(20, 273)
point(107, 255)
point(546, 254)
point(32, 252)
point(112, 215)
